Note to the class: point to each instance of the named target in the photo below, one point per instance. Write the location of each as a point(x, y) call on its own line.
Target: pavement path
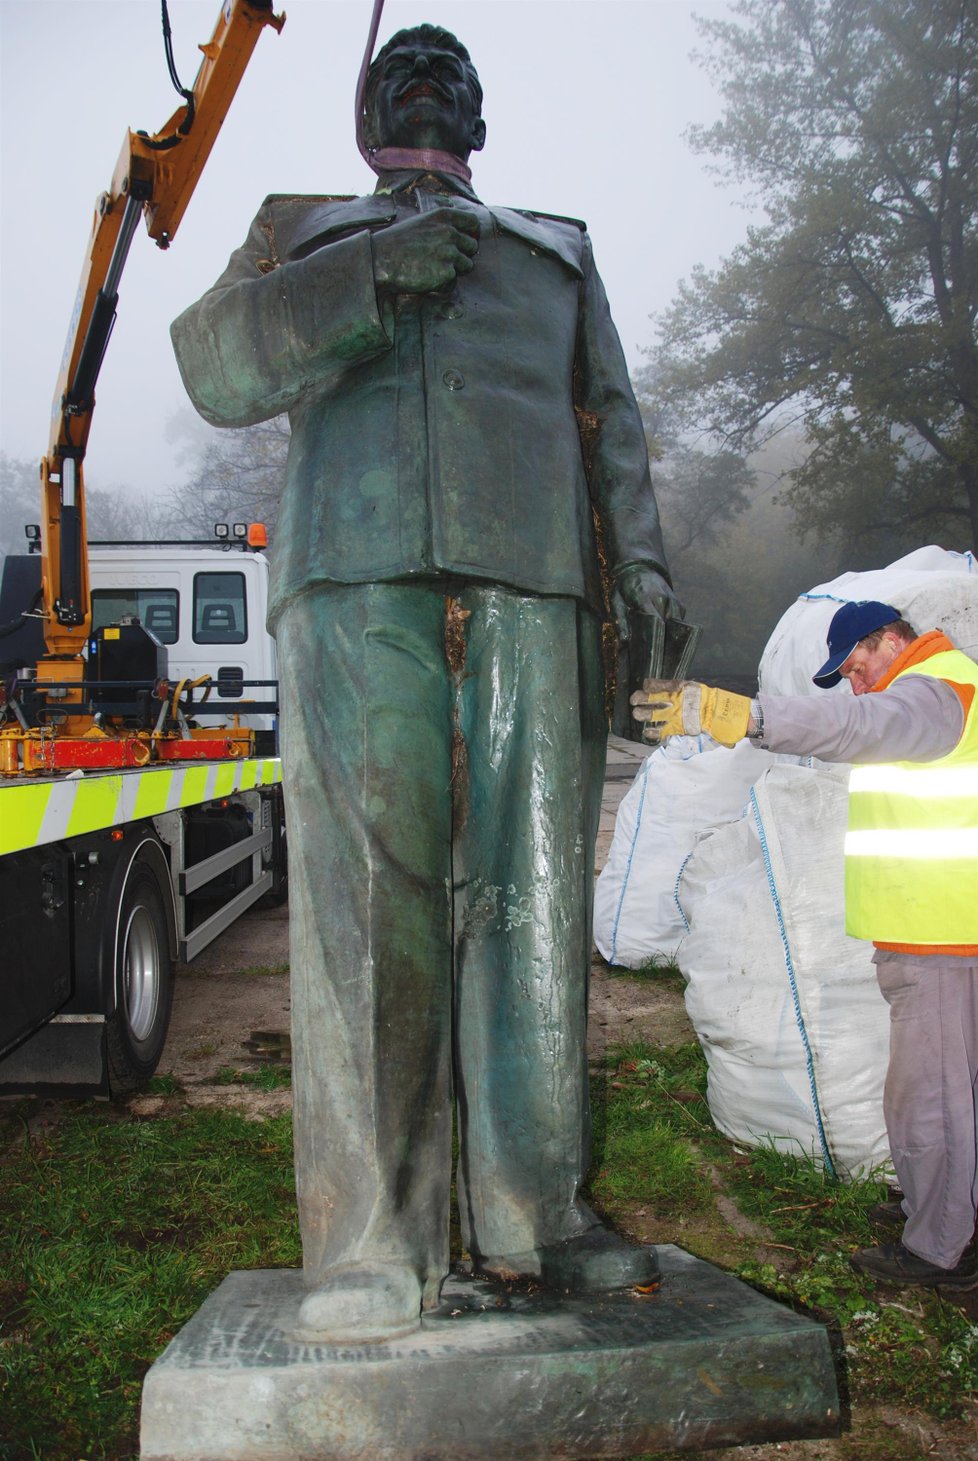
point(624, 762)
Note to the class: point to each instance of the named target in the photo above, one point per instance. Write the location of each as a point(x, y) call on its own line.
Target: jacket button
point(454, 380)
point(453, 311)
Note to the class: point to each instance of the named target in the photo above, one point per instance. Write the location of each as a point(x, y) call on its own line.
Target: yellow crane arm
point(154, 179)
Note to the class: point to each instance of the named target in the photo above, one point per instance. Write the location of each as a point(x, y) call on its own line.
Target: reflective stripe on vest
point(912, 844)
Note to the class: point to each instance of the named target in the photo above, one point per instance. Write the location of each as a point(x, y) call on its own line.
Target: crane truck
point(140, 811)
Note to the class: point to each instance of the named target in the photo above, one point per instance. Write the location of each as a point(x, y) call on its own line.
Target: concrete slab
point(621, 751)
point(625, 760)
point(703, 1361)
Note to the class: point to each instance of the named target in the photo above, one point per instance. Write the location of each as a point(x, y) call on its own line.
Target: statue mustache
point(425, 87)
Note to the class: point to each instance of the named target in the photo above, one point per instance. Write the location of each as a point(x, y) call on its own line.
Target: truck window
point(220, 616)
point(157, 609)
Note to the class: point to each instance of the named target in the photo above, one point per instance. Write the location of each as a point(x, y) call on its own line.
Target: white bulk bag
point(785, 1004)
point(685, 786)
point(933, 589)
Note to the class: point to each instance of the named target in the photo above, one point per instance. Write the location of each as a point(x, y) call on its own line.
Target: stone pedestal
point(702, 1361)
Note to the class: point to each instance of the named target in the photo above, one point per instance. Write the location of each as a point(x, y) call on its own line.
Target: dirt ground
point(231, 1008)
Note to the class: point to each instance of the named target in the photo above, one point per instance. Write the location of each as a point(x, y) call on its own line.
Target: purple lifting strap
point(426, 159)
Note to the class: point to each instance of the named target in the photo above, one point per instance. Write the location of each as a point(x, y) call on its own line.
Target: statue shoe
point(362, 1303)
point(893, 1263)
point(594, 1262)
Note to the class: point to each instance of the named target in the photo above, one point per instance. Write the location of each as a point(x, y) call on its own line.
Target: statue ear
point(477, 138)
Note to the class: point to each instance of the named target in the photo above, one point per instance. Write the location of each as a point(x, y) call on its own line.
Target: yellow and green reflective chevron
point(35, 813)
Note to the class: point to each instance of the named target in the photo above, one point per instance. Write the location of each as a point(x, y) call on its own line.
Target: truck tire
point(136, 1030)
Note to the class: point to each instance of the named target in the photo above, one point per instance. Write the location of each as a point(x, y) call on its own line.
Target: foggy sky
point(585, 105)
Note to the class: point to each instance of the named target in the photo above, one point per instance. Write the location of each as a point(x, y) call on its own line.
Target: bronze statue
point(437, 601)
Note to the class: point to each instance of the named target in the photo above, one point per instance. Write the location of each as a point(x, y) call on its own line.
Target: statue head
point(422, 92)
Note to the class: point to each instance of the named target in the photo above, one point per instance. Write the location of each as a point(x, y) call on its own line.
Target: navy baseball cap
point(850, 624)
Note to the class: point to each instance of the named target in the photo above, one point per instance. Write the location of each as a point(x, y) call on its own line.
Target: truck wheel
point(136, 1031)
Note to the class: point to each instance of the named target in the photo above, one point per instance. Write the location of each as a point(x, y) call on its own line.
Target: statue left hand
point(642, 588)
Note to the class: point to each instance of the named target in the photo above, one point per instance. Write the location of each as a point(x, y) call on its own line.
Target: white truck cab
point(111, 871)
point(206, 603)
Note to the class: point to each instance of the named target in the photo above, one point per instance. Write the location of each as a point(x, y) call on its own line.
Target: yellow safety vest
point(912, 844)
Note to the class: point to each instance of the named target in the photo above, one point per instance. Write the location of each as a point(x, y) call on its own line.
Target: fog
point(585, 104)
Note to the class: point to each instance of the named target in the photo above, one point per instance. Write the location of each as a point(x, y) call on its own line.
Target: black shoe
point(893, 1263)
point(594, 1262)
point(890, 1213)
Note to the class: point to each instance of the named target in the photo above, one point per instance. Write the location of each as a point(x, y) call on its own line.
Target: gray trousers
point(930, 1099)
point(442, 807)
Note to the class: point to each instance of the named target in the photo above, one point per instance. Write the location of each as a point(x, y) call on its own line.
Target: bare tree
point(237, 476)
point(110, 512)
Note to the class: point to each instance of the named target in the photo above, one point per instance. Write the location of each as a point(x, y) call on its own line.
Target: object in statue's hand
point(687, 708)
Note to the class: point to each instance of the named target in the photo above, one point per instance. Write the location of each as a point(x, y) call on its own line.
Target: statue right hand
point(425, 253)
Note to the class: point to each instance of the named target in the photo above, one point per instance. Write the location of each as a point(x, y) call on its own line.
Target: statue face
point(422, 99)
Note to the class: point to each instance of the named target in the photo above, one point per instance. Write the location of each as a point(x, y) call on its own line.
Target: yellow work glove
point(687, 708)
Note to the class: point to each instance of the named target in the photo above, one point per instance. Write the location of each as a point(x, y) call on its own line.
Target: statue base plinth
point(702, 1361)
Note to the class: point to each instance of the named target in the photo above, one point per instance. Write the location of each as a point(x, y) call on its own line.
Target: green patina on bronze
point(461, 414)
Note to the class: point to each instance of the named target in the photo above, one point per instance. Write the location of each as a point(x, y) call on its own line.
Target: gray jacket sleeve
point(916, 719)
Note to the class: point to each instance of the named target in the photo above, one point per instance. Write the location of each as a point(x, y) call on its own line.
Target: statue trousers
point(443, 744)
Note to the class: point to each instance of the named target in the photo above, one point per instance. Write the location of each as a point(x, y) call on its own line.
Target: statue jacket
point(467, 432)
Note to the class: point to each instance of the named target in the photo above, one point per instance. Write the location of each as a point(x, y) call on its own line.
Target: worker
point(911, 866)
point(459, 404)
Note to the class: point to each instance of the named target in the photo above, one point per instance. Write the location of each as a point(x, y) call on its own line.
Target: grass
point(266, 1077)
point(660, 1155)
point(909, 1343)
point(164, 1085)
point(202, 1051)
point(643, 1116)
point(114, 1229)
point(112, 1232)
point(248, 971)
point(656, 969)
